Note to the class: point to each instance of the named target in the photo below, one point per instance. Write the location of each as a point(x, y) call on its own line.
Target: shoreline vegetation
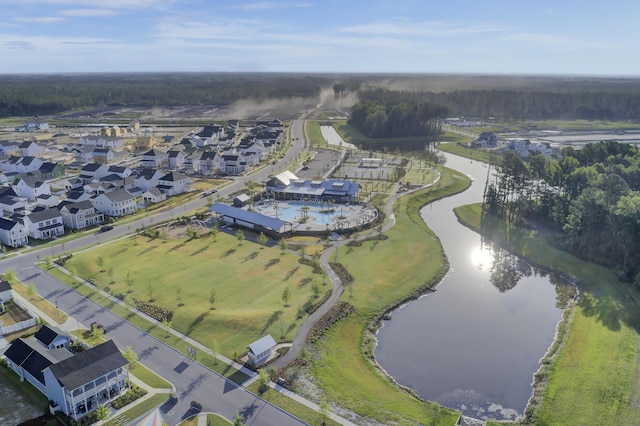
point(589, 374)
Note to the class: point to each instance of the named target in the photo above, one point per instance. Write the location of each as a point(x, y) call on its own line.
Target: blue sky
point(409, 36)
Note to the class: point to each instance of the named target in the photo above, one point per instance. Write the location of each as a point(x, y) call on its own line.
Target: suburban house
point(52, 337)
point(12, 233)
point(153, 159)
point(121, 171)
point(103, 155)
point(485, 140)
point(22, 165)
point(144, 142)
point(154, 196)
point(147, 179)
point(84, 153)
point(9, 147)
point(50, 170)
point(260, 350)
point(47, 200)
point(75, 383)
point(73, 183)
point(77, 196)
point(234, 164)
point(30, 149)
point(44, 224)
point(93, 171)
point(117, 203)
point(9, 204)
point(80, 215)
point(174, 183)
point(176, 159)
point(102, 141)
point(211, 161)
point(31, 187)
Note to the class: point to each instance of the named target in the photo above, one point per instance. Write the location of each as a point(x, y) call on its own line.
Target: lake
point(15, 405)
point(475, 343)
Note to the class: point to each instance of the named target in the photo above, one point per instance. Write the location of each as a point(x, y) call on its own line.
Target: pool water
point(293, 211)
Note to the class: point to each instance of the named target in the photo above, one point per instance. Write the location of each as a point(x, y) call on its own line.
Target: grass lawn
point(301, 411)
point(316, 140)
point(149, 377)
point(212, 420)
point(465, 151)
point(44, 305)
point(248, 281)
point(360, 387)
point(352, 135)
point(593, 379)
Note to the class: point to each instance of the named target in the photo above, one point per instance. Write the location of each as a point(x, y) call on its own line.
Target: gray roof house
point(76, 384)
point(261, 350)
point(117, 203)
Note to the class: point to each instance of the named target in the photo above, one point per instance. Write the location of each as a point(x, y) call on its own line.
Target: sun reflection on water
point(482, 257)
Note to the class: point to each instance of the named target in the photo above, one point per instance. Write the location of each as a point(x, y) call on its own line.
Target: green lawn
point(138, 410)
point(593, 378)
point(465, 151)
point(360, 387)
point(315, 136)
point(352, 135)
point(149, 377)
point(248, 281)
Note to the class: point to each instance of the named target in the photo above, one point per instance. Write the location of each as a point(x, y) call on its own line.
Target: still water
point(475, 343)
point(15, 406)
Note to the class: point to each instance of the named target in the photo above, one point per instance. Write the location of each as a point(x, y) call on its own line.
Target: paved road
point(192, 380)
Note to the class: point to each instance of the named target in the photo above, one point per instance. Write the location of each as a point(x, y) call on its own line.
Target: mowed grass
point(593, 379)
point(474, 154)
point(248, 281)
point(39, 302)
point(384, 275)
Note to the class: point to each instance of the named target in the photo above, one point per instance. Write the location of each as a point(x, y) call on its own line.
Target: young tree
point(100, 263)
point(97, 333)
point(110, 272)
point(103, 412)
point(214, 232)
point(48, 261)
point(214, 351)
point(282, 244)
point(31, 290)
point(262, 239)
point(237, 420)
point(316, 289)
point(286, 294)
point(324, 410)
point(179, 296)
point(212, 298)
point(166, 324)
point(10, 275)
point(129, 281)
point(240, 236)
point(303, 252)
point(130, 355)
point(263, 380)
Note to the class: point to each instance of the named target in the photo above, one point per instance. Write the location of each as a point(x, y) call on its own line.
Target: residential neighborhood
point(51, 188)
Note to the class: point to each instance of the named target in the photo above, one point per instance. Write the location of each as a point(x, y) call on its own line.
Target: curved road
point(192, 380)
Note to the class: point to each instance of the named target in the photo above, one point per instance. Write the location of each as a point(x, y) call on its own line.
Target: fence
point(17, 327)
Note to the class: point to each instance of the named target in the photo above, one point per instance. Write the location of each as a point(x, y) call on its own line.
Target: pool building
point(287, 186)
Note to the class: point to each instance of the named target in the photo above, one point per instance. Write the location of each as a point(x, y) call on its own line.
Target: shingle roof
point(45, 214)
point(7, 224)
point(5, 285)
point(91, 167)
point(74, 208)
point(88, 365)
point(48, 334)
point(119, 195)
point(247, 216)
point(33, 357)
point(174, 177)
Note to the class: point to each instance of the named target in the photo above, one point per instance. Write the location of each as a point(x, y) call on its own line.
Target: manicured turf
point(593, 379)
point(248, 281)
point(465, 151)
point(359, 387)
point(149, 377)
point(40, 303)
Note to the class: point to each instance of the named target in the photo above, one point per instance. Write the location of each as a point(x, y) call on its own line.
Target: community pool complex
point(316, 215)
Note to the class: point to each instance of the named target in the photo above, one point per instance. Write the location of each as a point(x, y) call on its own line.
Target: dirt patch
point(180, 231)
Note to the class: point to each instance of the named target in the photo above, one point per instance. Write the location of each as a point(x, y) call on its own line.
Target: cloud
point(40, 19)
point(89, 13)
point(98, 4)
point(554, 41)
point(18, 45)
point(265, 5)
point(403, 27)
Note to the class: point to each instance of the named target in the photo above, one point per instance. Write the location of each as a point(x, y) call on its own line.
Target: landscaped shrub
point(154, 311)
point(311, 308)
point(341, 271)
point(317, 269)
point(131, 395)
point(340, 310)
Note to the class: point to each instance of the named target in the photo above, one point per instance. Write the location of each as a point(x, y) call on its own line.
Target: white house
point(30, 149)
point(80, 215)
point(93, 171)
point(52, 337)
point(44, 224)
point(9, 147)
point(154, 196)
point(5, 293)
point(101, 141)
point(147, 179)
point(76, 384)
point(176, 159)
point(117, 203)
point(31, 188)
point(9, 204)
point(260, 350)
point(153, 159)
point(12, 233)
point(21, 165)
point(174, 183)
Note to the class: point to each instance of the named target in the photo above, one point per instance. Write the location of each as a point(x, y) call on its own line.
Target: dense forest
point(521, 104)
point(592, 195)
point(53, 94)
point(378, 120)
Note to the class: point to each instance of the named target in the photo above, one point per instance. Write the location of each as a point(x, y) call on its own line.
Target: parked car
point(106, 228)
point(99, 326)
point(196, 406)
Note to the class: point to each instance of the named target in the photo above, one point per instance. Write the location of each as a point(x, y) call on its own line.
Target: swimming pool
point(295, 211)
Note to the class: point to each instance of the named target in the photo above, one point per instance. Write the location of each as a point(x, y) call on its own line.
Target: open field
point(361, 387)
point(247, 280)
point(593, 379)
point(474, 154)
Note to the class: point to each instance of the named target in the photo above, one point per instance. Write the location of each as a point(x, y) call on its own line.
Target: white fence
point(17, 326)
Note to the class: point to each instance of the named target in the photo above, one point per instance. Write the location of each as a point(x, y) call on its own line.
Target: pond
point(475, 343)
point(21, 407)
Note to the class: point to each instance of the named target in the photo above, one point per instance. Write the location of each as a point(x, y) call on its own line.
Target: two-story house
point(174, 183)
point(148, 179)
point(13, 233)
point(117, 203)
point(30, 149)
point(31, 187)
point(102, 141)
point(176, 159)
point(80, 215)
point(44, 224)
point(153, 159)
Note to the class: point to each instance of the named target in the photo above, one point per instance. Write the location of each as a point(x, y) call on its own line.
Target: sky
point(526, 37)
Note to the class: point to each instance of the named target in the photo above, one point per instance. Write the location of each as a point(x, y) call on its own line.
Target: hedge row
point(339, 311)
point(154, 311)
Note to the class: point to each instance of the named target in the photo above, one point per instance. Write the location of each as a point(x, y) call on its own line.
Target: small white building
point(117, 203)
point(13, 233)
point(174, 183)
point(102, 141)
point(44, 224)
point(260, 350)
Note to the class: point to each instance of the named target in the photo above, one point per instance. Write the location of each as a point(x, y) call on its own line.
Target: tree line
point(383, 120)
point(592, 195)
point(53, 94)
point(514, 104)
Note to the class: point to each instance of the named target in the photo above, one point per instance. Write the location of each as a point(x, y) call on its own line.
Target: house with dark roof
point(153, 158)
point(174, 183)
point(93, 171)
point(6, 293)
point(339, 191)
point(121, 171)
point(76, 196)
point(21, 165)
point(76, 384)
point(147, 179)
point(30, 187)
point(9, 204)
point(9, 147)
point(176, 159)
point(52, 337)
point(50, 170)
point(80, 215)
point(30, 149)
point(44, 224)
point(117, 203)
